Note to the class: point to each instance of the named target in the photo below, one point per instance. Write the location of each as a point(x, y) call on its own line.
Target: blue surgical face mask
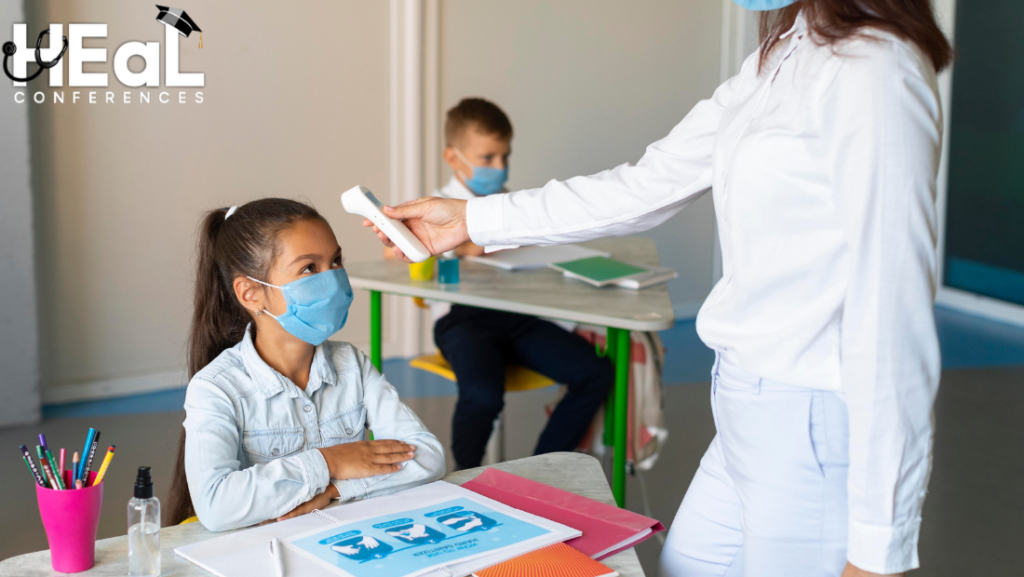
point(317, 305)
point(763, 5)
point(486, 180)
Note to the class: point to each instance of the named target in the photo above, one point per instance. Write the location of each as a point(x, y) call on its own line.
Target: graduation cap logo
point(179, 20)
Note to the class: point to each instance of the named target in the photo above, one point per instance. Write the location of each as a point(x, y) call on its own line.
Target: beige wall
point(588, 85)
point(296, 105)
point(297, 108)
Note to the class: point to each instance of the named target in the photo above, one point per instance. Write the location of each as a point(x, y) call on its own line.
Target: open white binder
point(246, 553)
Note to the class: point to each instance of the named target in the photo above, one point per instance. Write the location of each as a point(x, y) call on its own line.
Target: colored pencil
point(61, 466)
point(74, 467)
point(103, 467)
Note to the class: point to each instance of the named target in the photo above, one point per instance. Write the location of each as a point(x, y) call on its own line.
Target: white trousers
point(769, 498)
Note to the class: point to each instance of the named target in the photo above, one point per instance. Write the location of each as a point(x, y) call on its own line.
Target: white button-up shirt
point(823, 171)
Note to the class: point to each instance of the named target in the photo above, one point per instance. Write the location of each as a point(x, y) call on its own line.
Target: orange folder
point(558, 559)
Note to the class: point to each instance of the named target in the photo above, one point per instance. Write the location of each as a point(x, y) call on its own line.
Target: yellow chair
point(517, 378)
point(192, 519)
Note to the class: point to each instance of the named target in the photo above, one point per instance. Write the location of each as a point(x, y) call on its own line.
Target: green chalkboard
point(985, 200)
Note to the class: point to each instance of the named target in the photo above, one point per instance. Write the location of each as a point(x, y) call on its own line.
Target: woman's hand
point(366, 458)
point(853, 571)
point(439, 223)
point(319, 502)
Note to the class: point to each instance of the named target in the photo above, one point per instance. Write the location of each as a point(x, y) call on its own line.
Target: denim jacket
point(251, 434)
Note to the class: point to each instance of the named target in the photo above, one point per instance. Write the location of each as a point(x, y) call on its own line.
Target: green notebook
point(598, 270)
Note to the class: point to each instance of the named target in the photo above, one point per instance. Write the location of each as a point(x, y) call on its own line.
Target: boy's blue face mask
point(763, 5)
point(317, 305)
point(486, 180)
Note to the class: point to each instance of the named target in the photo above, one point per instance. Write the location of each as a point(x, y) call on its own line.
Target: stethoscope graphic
point(10, 48)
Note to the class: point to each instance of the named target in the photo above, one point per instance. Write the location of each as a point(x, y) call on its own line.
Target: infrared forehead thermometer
point(359, 200)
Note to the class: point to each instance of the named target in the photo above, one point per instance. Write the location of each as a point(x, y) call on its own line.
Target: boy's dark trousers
point(478, 343)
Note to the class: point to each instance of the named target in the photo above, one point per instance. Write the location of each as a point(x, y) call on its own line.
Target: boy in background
point(478, 343)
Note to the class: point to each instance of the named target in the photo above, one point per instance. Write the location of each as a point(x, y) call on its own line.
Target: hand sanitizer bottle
point(144, 528)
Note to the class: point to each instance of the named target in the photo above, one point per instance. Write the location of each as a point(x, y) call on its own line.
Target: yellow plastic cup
point(422, 270)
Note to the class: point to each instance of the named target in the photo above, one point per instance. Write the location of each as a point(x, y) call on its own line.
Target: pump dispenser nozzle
point(143, 484)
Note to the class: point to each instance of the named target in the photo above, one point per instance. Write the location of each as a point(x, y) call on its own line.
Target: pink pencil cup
point(71, 518)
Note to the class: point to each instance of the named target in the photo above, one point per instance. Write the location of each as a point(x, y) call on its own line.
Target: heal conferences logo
point(177, 23)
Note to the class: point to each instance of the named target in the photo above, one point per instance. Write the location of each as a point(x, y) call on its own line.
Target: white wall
point(19, 359)
point(588, 84)
point(296, 105)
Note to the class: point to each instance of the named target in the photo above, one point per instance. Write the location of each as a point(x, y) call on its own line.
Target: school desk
point(574, 472)
point(544, 293)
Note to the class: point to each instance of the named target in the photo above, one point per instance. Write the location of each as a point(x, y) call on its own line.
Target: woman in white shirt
point(821, 155)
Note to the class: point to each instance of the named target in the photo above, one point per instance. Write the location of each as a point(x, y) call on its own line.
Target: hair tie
point(230, 212)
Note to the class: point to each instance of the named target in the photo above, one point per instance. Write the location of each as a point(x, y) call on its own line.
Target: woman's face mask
point(763, 5)
point(486, 180)
point(317, 305)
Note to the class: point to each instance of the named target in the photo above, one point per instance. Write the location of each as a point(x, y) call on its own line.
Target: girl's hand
point(439, 223)
point(853, 571)
point(319, 502)
point(366, 458)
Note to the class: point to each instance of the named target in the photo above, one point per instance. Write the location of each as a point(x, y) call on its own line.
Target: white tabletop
point(539, 292)
point(574, 472)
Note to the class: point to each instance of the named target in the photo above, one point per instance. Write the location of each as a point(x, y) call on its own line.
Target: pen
point(85, 451)
point(74, 467)
point(88, 461)
point(275, 553)
point(61, 466)
point(32, 466)
point(46, 468)
point(103, 467)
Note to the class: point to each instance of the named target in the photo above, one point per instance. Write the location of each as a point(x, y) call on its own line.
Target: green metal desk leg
point(622, 350)
point(375, 353)
point(375, 313)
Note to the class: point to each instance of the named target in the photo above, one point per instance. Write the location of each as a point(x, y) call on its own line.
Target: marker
point(32, 467)
point(103, 467)
point(46, 468)
point(51, 461)
point(74, 467)
point(61, 466)
point(85, 451)
point(56, 472)
point(88, 461)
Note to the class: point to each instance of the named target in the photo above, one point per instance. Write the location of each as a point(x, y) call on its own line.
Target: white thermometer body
point(359, 200)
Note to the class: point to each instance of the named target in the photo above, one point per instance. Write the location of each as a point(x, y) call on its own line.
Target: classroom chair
point(517, 378)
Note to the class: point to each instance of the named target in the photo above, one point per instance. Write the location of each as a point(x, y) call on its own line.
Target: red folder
point(606, 528)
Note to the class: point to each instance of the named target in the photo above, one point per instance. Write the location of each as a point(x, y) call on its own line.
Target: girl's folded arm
point(389, 418)
point(224, 496)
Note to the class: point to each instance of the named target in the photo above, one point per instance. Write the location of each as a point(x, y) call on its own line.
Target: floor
point(972, 524)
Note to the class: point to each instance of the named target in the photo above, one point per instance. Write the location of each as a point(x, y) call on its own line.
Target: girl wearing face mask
point(275, 413)
point(821, 156)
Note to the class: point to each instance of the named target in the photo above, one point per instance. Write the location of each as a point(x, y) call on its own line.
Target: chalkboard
point(985, 199)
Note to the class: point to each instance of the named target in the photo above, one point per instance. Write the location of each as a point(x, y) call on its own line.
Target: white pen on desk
point(275, 552)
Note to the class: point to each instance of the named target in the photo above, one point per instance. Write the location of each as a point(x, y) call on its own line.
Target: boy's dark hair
point(477, 113)
point(243, 245)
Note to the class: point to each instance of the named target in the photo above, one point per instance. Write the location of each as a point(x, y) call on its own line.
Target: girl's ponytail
point(218, 321)
point(242, 242)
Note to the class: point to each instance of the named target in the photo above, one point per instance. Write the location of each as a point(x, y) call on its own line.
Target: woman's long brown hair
point(243, 245)
point(830, 21)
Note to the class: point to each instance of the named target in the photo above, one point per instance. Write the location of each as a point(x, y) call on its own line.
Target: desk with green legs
point(544, 293)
